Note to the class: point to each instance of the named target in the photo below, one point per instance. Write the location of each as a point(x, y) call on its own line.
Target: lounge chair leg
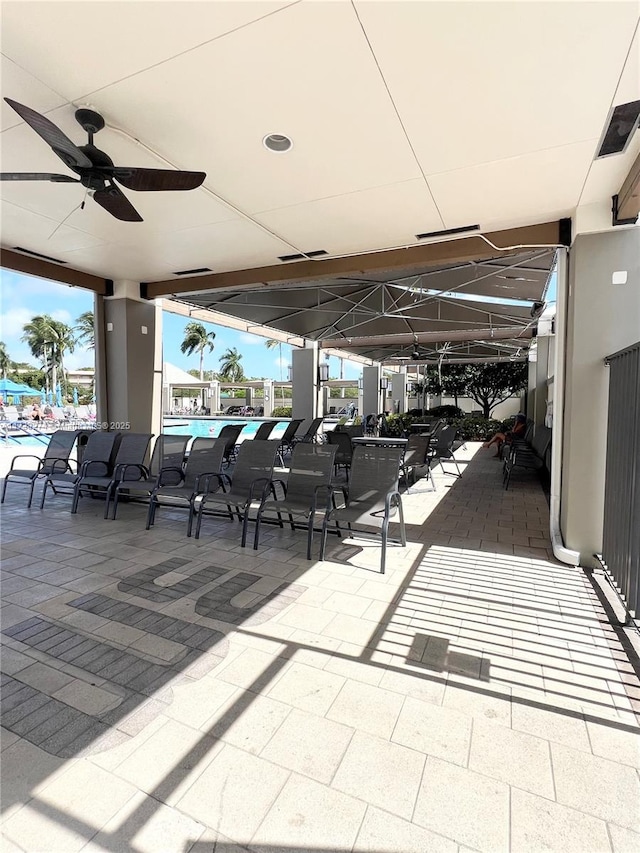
point(76, 498)
point(199, 521)
point(190, 520)
point(310, 534)
point(44, 494)
point(245, 524)
point(33, 485)
point(4, 488)
point(115, 504)
point(151, 514)
point(323, 539)
point(256, 535)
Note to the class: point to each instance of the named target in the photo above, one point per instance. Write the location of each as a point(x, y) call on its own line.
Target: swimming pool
point(210, 428)
point(197, 427)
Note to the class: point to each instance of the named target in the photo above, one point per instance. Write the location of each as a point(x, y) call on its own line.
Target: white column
point(268, 401)
point(305, 386)
point(399, 390)
point(371, 396)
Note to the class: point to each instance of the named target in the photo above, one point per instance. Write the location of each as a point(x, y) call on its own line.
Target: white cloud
point(12, 321)
point(62, 316)
point(252, 340)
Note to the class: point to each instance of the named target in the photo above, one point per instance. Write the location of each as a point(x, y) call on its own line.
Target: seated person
point(519, 429)
point(36, 413)
point(48, 412)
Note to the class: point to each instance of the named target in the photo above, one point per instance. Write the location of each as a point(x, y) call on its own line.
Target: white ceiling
point(406, 117)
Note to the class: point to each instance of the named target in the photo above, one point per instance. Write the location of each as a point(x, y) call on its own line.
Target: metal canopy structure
point(477, 310)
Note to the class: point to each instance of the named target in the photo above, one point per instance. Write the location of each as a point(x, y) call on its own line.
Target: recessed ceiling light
point(277, 142)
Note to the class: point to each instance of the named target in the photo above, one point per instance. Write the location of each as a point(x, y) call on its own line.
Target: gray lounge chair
point(252, 481)
point(56, 458)
point(264, 430)
point(97, 459)
point(130, 457)
point(306, 490)
point(310, 435)
point(344, 454)
point(442, 448)
point(415, 456)
point(371, 497)
point(203, 465)
point(140, 481)
point(229, 434)
point(286, 442)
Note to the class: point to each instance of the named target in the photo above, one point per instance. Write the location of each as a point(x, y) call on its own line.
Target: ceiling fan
point(96, 169)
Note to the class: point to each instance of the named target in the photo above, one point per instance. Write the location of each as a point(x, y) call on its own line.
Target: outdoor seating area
point(475, 696)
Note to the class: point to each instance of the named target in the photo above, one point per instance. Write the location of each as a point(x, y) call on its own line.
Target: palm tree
point(85, 330)
point(230, 367)
point(197, 339)
point(271, 344)
point(5, 361)
point(48, 340)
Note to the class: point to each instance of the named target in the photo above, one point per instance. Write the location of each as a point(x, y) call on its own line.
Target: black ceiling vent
point(624, 121)
point(38, 255)
point(193, 272)
point(447, 232)
point(314, 254)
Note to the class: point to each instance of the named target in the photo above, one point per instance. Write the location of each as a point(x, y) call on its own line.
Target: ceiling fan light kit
point(96, 170)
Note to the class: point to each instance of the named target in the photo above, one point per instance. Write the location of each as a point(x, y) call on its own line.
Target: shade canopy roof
point(406, 118)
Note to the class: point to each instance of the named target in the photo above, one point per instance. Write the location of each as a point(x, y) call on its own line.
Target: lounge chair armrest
point(280, 483)
point(389, 500)
point(120, 471)
point(86, 467)
point(266, 487)
point(26, 456)
point(209, 478)
point(172, 469)
point(316, 494)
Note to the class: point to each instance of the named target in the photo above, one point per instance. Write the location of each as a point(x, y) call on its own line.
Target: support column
point(214, 396)
point(267, 396)
point(129, 360)
point(542, 378)
point(305, 385)
point(399, 391)
point(371, 396)
point(603, 317)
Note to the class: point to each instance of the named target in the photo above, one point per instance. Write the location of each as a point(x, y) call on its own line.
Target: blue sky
point(23, 296)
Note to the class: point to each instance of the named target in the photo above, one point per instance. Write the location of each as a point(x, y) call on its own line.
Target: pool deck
point(165, 694)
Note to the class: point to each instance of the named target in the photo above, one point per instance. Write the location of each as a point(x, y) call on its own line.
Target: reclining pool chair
point(230, 434)
point(140, 481)
point(264, 430)
point(130, 457)
point(97, 460)
point(442, 448)
point(286, 442)
point(416, 455)
point(344, 452)
point(203, 465)
point(310, 435)
point(371, 497)
point(252, 481)
point(56, 458)
point(307, 489)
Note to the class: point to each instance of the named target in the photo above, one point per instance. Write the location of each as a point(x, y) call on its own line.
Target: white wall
point(602, 319)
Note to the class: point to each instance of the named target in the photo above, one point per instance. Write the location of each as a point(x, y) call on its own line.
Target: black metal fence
point(621, 535)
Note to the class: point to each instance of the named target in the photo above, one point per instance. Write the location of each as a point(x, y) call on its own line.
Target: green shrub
point(281, 412)
point(446, 412)
point(476, 428)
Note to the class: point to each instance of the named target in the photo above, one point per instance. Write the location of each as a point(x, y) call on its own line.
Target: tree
point(454, 380)
point(230, 367)
point(5, 361)
point(85, 330)
point(197, 339)
point(490, 384)
point(48, 340)
point(271, 344)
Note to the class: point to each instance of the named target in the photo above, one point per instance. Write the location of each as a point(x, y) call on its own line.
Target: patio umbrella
point(75, 396)
point(16, 389)
point(43, 396)
point(50, 398)
point(58, 396)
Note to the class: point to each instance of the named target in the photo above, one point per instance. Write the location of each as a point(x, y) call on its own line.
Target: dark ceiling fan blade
point(156, 179)
point(38, 176)
point(117, 204)
point(53, 136)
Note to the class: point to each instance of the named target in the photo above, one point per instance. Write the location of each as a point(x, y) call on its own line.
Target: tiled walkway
point(161, 694)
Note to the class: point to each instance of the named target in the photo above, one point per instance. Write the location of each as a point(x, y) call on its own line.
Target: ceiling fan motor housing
point(90, 120)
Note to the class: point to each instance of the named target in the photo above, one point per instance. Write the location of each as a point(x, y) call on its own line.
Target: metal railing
point(621, 535)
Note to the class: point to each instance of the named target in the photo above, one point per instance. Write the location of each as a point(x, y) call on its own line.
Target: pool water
point(197, 427)
point(201, 428)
